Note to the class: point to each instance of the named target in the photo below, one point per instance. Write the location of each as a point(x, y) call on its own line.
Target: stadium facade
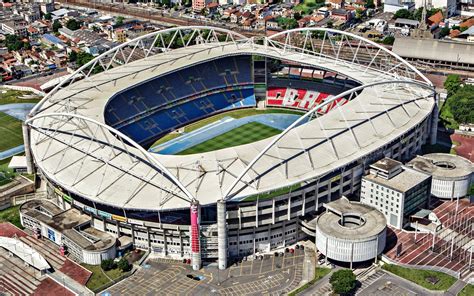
point(88, 137)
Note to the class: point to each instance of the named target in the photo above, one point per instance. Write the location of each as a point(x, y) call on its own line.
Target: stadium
point(201, 143)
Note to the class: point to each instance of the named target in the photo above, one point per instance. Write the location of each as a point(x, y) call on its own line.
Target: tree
point(359, 13)
point(56, 26)
point(403, 13)
point(14, 42)
point(444, 32)
point(107, 264)
point(286, 23)
point(461, 104)
point(389, 40)
point(123, 265)
point(48, 16)
point(452, 84)
point(297, 16)
point(119, 20)
point(72, 56)
point(369, 4)
point(73, 25)
point(343, 281)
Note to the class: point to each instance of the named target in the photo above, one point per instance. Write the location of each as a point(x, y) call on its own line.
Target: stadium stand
point(160, 105)
point(300, 99)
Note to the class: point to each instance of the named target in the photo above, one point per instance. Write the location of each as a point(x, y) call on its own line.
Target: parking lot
point(272, 275)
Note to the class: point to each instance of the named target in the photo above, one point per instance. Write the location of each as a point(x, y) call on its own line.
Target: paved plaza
point(271, 276)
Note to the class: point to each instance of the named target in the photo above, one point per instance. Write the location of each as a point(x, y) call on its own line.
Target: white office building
point(395, 190)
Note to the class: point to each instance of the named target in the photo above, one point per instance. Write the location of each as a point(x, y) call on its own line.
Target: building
point(452, 175)
point(199, 5)
point(70, 229)
point(395, 5)
point(14, 28)
point(395, 190)
point(436, 53)
point(238, 200)
point(350, 231)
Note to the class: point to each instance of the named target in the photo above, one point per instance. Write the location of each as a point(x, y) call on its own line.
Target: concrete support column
point(352, 254)
point(303, 205)
point(148, 237)
point(195, 236)
point(30, 168)
point(273, 211)
point(165, 243)
point(434, 121)
point(289, 208)
point(221, 235)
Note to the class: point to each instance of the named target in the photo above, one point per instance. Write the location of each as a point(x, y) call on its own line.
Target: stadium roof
point(74, 147)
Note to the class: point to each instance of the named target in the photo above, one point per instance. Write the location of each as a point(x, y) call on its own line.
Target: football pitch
point(244, 134)
point(10, 131)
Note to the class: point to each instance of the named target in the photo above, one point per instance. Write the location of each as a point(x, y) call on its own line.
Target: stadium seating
point(158, 106)
point(179, 85)
point(300, 99)
point(150, 127)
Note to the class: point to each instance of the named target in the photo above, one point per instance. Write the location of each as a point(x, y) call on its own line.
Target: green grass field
point(244, 134)
point(10, 131)
point(421, 277)
point(234, 114)
point(467, 291)
point(15, 96)
point(11, 215)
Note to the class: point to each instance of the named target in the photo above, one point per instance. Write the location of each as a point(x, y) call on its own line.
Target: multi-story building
point(395, 190)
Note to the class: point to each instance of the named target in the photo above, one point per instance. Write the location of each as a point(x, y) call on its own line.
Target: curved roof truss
point(313, 113)
point(98, 142)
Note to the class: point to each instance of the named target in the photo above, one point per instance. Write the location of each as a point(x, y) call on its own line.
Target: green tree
point(287, 23)
point(461, 104)
point(389, 40)
point(119, 20)
point(15, 42)
point(123, 265)
point(403, 13)
point(48, 16)
point(73, 25)
point(72, 56)
point(343, 281)
point(369, 4)
point(107, 264)
point(56, 26)
point(452, 84)
point(444, 32)
point(358, 14)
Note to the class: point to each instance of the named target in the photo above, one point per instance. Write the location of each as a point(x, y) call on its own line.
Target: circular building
point(451, 174)
point(350, 231)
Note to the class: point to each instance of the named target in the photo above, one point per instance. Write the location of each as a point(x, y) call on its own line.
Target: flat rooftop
point(386, 164)
point(402, 182)
point(72, 223)
point(442, 165)
point(372, 222)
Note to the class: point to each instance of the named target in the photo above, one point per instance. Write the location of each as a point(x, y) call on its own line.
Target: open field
point(247, 133)
point(235, 114)
point(100, 278)
point(467, 291)
point(432, 280)
point(11, 215)
point(10, 129)
point(15, 96)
